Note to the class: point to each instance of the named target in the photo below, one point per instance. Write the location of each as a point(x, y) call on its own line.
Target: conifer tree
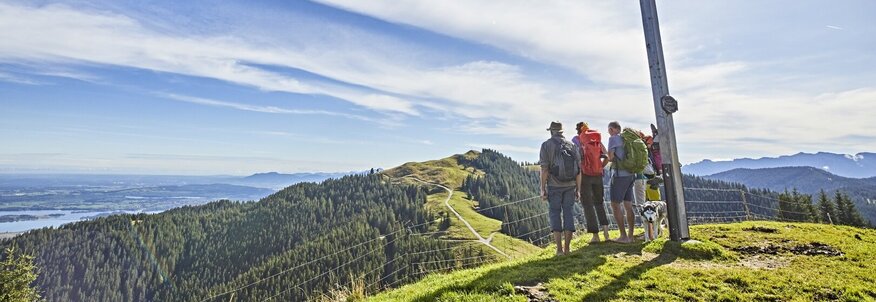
point(847, 211)
point(17, 274)
point(827, 208)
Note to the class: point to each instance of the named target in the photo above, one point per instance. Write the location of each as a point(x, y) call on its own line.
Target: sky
point(239, 87)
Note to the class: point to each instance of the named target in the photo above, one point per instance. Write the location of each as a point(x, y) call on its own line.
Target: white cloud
point(834, 27)
point(855, 157)
point(491, 97)
point(256, 108)
point(598, 39)
point(5, 77)
point(601, 41)
point(604, 42)
point(60, 34)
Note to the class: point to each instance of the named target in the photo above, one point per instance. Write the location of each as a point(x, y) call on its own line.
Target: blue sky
point(198, 87)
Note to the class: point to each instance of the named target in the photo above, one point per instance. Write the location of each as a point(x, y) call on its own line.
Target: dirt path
point(481, 239)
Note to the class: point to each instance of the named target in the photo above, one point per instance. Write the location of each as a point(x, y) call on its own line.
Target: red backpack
point(591, 151)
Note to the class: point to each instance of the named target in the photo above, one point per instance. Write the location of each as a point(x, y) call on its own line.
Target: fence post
point(745, 204)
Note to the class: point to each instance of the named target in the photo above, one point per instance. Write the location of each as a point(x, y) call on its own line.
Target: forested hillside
point(377, 230)
point(282, 245)
point(808, 180)
point(507, 182)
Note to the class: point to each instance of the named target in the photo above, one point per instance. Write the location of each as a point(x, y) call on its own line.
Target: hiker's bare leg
point(558, 239)
point(631, 218)
point(568, 242)
point(618, 213)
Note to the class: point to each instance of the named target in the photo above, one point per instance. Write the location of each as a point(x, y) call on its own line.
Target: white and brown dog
point(653, 219)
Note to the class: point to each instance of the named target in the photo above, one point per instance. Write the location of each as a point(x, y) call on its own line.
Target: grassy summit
point(749, 261)
point(450, 173)
point(446, 171)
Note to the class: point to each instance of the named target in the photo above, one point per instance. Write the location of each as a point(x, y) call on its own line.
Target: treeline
point(713, 200)
point(296, 243)
point(708, 200)
point(839, 210)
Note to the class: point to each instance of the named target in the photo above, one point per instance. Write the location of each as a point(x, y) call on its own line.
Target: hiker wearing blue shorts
point(621, 191)
point(560, 162)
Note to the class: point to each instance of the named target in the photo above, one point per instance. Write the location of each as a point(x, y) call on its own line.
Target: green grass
point(668, 271)
point(482, 224)
point(514, 247)
point(447, 171)
point(532, 168)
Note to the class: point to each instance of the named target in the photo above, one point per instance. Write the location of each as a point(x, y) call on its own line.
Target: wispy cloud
point(53, 33)
point(834, 27)
point(5, 77)
point(257, 108)
point(603, 41)
point(591, 37)
point(599, 44)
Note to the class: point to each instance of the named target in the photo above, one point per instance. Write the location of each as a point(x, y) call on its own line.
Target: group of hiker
point(578, 169)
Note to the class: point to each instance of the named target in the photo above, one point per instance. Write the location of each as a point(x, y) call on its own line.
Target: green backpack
point(636, 152)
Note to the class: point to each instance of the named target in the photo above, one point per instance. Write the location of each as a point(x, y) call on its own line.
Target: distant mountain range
point(277, 181)
point(861, 165)
point(269, 180)
point(807, 180)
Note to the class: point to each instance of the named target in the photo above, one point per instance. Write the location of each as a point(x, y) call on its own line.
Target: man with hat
point(560, 163)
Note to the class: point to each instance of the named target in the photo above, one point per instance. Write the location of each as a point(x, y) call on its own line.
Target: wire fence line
point(749, 206)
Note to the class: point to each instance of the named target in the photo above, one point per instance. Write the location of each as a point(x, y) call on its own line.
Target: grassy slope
point(446, 171)
point(451, 174)
point(665, 271)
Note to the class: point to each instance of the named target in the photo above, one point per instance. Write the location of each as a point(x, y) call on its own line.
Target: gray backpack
point(566, 162)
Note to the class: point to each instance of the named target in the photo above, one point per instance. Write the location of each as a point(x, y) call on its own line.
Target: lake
point(69, 216)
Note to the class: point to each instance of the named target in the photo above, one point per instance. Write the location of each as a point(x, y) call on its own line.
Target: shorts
point(622, 188)
point(639, 191)
point(560, 208)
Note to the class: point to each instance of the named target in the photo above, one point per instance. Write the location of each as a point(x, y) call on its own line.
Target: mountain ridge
point(860, 165)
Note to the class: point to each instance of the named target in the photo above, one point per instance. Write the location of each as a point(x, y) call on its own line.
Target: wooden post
point(664, 106)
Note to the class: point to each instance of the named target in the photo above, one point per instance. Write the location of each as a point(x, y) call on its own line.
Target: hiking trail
point(481, 239)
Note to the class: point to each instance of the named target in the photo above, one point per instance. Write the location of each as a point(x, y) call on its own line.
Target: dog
point(653, 217)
